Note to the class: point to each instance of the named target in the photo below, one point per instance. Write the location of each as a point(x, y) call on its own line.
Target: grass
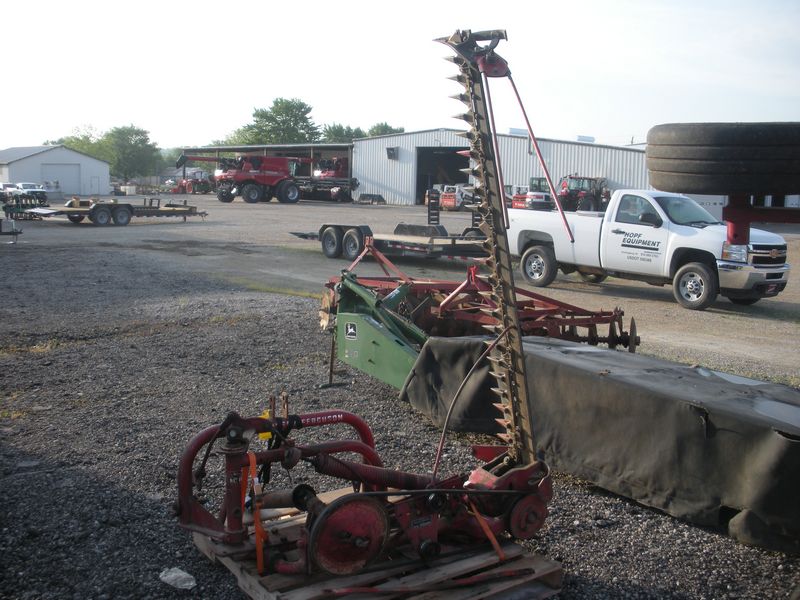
point(260, 287)
point(40, 348)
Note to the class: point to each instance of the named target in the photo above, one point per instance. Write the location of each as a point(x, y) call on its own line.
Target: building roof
point(10, 155)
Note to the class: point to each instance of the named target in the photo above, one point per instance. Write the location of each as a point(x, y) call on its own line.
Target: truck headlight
point(734, 252)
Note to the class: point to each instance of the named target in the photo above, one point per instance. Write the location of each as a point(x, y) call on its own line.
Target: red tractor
point(254, 177)
point(194, 185)
point(583, 193)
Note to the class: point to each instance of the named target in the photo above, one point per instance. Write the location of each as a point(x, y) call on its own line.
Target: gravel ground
point(110, 364)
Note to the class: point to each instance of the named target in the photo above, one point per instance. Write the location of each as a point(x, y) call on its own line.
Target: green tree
point(383, 129)
point(85, 140)
point(285, 122)
point(339, 134)
point(132, 153)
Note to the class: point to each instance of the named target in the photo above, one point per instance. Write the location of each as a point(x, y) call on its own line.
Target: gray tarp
point(714, 449)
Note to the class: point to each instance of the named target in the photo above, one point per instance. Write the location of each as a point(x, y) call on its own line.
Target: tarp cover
point(714, 449)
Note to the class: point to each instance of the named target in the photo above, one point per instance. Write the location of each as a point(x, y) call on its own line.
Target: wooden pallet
point(534, 576)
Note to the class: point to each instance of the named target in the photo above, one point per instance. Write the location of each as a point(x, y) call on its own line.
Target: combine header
point(430, 520)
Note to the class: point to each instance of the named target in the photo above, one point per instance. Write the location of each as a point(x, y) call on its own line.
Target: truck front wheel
point(252, 193)
point(695, 286)
point(539, 267)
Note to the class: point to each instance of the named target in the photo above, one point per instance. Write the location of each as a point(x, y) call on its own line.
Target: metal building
point(57, 168)
point(401, 167)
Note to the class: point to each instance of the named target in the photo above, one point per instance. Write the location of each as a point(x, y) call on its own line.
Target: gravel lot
point(117, 345)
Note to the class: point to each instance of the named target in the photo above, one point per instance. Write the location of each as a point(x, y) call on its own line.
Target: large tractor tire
point(288, 192)
point(224, 195)
point(725, 158)
point(252, 193)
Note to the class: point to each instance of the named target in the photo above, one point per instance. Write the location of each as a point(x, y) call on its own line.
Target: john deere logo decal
point(350, 331)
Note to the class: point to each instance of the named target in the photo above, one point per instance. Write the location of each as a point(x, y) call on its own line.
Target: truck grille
point(768, 254)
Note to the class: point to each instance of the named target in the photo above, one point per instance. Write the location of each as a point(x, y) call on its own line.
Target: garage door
point(68, 176)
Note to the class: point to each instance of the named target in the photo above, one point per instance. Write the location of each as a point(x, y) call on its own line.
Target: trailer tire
point(121, 216)
point(331, 241)
point(538, 265)
point(288, 192)
point(101, 215)
point(252, 193)
point(224, 195)
point(695, 286)
point(352, 243)
point(724, 158)
point(75, 218)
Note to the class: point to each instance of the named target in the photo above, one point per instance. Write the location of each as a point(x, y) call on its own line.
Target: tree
point(132, 153)
point(85, 140)
point(285, 122)
point(339, 134)
point(383, 129)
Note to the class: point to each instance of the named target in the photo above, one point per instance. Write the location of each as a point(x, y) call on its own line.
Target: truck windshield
point(685, 211)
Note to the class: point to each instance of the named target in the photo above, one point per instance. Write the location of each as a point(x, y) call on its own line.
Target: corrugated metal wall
point(395, 179)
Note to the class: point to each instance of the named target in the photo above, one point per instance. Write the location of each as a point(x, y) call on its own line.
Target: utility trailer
point(119, 213)
point(407, 240)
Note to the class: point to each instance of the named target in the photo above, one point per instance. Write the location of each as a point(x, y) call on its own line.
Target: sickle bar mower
point(428, 516)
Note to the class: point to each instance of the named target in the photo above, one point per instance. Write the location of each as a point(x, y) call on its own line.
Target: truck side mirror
point(649, 218)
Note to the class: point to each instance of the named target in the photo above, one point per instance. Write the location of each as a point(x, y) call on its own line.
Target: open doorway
point(439, 165)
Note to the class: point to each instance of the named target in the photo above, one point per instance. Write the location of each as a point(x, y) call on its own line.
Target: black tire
point(352, 243)
point(101, 215)
point(121, 216)
point(288, 192)
point(538, 265)
point(744, 301)
point(725, 158)
point(474, 234)
point(224, 195)
point(75, 218)
point(695, 286)
point(593, 277)
point(331, 240)
point(252, 193)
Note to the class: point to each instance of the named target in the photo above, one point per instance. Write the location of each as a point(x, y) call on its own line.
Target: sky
point(190, 73)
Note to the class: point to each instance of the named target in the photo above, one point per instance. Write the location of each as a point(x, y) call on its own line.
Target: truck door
point(635, 239)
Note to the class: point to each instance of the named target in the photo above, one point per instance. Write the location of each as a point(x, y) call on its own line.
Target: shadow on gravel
point(69, 532)
point(580, 586)
point(772, 309)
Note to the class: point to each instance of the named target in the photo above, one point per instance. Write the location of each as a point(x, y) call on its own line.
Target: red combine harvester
point(254, 177)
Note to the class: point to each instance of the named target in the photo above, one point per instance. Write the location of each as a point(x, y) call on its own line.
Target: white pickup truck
point(655, 237)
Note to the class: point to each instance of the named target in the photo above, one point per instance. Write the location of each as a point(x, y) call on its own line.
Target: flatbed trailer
point(407, 240)
point(119, 213)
